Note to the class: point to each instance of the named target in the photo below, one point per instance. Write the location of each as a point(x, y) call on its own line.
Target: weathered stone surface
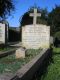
point(35, 15)
point(36, 36)
point(20, 53)
point(2, 33)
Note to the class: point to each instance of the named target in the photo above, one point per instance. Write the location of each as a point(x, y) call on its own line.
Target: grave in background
point(3, 33)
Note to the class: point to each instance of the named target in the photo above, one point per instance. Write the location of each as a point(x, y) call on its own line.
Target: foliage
point(53, 70)
point(57, 35)
point(6, 6)
point(32, 52)
point(27, 19)
point(5, 49)
point(57, 39)
point(54, 19)
point(56, 50)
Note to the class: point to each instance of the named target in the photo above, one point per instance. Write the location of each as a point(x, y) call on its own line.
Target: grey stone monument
point(3, 33)
point(37, 35)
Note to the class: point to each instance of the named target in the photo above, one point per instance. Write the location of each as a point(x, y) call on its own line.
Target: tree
point(27, 19)
point(54, 19)
point(44, 17)
point(6, 6)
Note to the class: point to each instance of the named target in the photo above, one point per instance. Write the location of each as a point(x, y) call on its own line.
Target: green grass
point(53, 71)
point(11, 64)
point(56, 50)
point(6, 48)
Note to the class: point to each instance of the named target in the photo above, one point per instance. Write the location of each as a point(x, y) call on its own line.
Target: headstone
point(2, 33)
point(6, 30)
point(36, 36)
point(20, 53)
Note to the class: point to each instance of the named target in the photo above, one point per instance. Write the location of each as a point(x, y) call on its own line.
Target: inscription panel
point(36, 36)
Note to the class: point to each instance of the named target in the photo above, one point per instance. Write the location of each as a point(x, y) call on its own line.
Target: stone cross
point(35, 15)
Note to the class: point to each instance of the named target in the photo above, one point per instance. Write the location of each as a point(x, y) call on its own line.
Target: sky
point(22, 6)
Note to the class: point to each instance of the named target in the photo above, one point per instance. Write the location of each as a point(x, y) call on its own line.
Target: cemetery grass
point(53, 70)
point(6, 49)
point(11, 64)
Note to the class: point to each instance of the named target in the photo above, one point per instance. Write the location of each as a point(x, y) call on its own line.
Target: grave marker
point(3, 33)
point(20, 53)
point(35, 36)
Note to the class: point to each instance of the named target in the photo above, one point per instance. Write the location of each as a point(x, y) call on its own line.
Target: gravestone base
point(43, 46)
point(20, 53)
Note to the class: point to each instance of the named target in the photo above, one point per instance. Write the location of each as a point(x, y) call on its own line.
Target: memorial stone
point(37, 35)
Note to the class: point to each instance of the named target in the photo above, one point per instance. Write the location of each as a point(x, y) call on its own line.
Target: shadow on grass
point(43, 67)
point(56, 53)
